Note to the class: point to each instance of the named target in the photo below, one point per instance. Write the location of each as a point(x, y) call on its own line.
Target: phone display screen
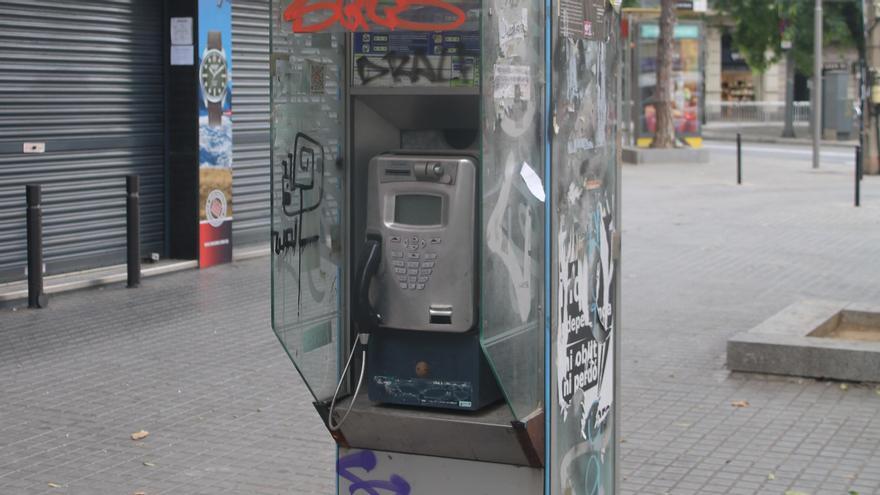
point(418, 209)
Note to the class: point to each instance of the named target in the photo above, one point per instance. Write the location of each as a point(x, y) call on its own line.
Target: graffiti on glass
point(364, 15)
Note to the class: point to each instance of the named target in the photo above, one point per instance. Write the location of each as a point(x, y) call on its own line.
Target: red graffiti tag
point(354, 16)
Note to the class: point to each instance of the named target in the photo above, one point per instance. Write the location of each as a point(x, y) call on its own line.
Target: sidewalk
point(190, 358)
point(768, 133)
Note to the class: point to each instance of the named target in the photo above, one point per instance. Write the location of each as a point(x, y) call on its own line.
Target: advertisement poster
point(687, 81)
point(215, 132)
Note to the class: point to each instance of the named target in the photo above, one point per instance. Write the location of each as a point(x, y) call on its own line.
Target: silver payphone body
point(422, 209)
point(417, 284)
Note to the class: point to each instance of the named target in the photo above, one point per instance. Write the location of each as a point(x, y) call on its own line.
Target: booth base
point(491, 434)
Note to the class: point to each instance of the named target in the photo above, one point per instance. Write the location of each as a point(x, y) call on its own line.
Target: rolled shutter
point(250, 116)
point(86, 79)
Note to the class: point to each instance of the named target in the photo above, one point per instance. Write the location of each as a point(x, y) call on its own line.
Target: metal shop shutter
point(85, 77)
point(250, 117)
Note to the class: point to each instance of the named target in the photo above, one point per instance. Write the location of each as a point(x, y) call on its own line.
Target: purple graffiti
point(366, 460)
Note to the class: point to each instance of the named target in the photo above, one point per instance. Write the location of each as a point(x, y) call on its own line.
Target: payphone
point(425, 351)
point(417, 285)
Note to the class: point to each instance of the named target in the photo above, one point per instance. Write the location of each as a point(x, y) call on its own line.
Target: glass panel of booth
point(513, 199)
point(307, 199)
point(586, 226)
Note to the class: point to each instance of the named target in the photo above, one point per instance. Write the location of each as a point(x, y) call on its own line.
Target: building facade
point(88, 95)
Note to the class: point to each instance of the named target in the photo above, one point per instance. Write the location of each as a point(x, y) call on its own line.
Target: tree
point(664, 136)
point(762, 25)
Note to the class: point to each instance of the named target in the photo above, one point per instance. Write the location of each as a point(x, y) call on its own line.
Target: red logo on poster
point(353, 16)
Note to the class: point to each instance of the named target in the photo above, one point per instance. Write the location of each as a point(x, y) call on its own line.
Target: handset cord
point(362, 339)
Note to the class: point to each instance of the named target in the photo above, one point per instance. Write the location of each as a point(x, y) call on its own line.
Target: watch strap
point(215, 114)
point(215, 40)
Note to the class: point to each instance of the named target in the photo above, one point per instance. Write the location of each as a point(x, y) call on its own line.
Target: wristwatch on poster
point(214, 77)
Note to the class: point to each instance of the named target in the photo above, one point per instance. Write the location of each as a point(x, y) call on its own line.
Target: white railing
point(755, 111)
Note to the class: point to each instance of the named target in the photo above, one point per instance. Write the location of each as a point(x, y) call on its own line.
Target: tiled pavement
point(704, 259)
point(190, 358)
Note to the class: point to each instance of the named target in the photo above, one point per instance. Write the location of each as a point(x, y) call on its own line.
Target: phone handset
point(367, 319)
point(371, 257)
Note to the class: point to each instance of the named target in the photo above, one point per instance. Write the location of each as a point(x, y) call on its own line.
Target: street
point(190, 357)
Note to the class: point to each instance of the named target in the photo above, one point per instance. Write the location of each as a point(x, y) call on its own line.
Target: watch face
point(213, 75)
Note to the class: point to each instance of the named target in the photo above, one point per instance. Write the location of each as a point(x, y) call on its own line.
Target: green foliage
point(759, 32)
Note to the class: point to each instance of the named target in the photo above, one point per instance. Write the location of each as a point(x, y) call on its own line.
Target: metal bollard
point(739, 159)
point(36, 297)
point(858, 176)
point(133, 229)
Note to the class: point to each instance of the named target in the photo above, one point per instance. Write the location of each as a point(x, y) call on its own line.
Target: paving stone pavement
point(705, 259)
point(190, 358)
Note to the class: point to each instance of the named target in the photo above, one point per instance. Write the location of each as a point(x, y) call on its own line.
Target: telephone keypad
point(415, 268)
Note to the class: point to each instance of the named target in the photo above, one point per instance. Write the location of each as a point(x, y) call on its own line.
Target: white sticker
point(513, 82)
point(533, 182)
point(182, 54)
point(181, 30)
point(33, 148)
point(510, 31)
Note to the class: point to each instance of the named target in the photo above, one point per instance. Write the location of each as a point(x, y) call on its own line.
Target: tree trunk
point(664, 137)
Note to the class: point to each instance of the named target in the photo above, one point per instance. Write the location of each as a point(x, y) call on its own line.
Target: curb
point(115, 274)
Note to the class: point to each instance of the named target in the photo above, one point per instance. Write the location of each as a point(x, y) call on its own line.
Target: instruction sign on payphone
point(417, 58)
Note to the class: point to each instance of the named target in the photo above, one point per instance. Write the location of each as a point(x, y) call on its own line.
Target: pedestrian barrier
point(755, 111)
point(858, 175)
point(133, 229)
point(36, 296)
point(739, 159)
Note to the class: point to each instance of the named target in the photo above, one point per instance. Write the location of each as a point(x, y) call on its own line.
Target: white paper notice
point(533, 182)
point(513, 82)
point(181, 30)
point(182, 54)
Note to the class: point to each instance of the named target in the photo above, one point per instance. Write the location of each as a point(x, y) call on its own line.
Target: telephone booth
point(445, 237)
